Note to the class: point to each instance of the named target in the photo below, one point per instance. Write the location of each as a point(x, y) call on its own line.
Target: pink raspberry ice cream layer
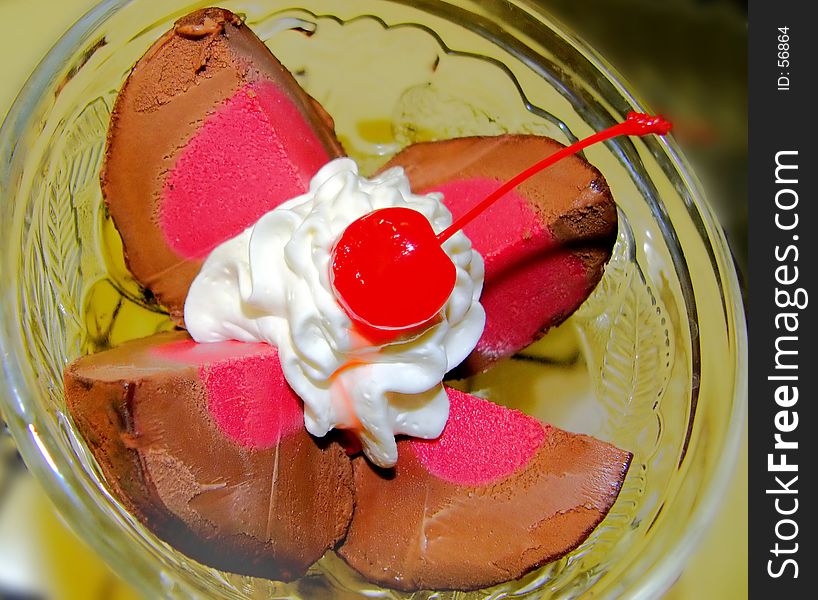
point(247, 395)
point(514, 318)
point(520, 254)
point(250, 155)
point(481, 443)
point(508, 232)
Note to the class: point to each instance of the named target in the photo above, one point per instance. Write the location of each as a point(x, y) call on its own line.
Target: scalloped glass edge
point(36, 449)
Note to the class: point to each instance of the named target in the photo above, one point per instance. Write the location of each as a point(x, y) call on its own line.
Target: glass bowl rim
point(662, 573)
point(666, 570)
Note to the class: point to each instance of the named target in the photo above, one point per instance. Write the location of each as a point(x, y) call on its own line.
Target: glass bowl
point(654, 361)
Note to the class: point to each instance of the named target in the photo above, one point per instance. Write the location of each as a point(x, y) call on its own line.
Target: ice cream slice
point(205, 444)
point(495, 496)
point(208, 133)
point(545, 244)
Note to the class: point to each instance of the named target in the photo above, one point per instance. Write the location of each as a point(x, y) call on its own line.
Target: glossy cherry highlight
point(388, 269)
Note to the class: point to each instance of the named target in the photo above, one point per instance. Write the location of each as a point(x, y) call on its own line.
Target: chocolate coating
point(571, 196)
point(574, 207)
point(188, 73)
point(268, 512)
point(413, 531)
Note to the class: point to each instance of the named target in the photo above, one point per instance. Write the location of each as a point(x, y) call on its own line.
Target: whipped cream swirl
point(271, 283)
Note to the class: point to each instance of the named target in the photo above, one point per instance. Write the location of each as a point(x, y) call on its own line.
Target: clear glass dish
point(654, 361)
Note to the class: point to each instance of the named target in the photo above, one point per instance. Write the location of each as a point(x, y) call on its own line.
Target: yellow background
point(35, 544)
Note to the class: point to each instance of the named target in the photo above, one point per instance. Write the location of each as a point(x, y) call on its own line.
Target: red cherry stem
point(635, 124)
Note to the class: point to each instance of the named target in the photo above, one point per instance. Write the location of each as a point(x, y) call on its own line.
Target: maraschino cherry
point(388, 269)
point(389, 272)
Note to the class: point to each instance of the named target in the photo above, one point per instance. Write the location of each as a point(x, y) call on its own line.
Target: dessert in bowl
point(639, 311)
